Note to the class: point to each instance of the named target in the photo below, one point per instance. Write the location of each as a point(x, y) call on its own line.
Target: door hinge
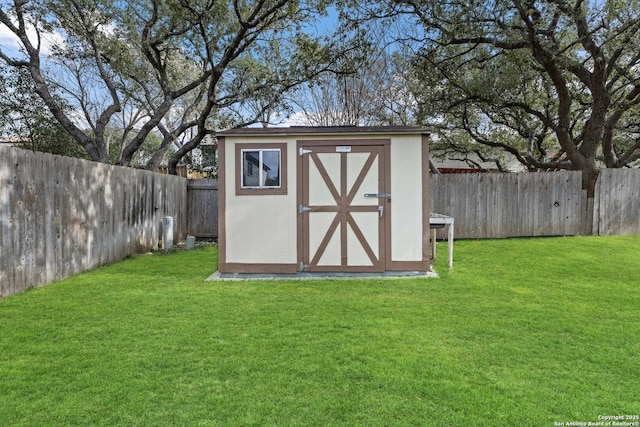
point(303, 209)
point(303, 266)
point(303, 151)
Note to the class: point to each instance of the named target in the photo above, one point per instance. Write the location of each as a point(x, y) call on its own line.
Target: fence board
point(202, 208)
point(6, 189)
point(62, 216)
point(617, 201)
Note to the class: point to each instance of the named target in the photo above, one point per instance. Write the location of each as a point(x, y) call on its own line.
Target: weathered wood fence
point(202, 208)
point(538, 204)
point(499, 205)
point(617, 202)
point(61, 216)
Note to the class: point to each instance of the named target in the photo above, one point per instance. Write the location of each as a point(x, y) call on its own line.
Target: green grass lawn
point(523, 332)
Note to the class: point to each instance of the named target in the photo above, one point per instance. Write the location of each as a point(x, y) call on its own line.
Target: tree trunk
point(589, 179)
point(183, 151)
point(155, 160)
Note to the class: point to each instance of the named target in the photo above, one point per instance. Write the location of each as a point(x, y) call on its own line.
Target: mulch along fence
point(61, 216)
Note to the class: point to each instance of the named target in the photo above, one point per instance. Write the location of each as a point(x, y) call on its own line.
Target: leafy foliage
point(179, 69)
point(555, 83)
point(25, 119)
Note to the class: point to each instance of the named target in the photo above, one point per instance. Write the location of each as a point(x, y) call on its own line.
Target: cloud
point(11, 44)
point(8, 40)
point(296, 119)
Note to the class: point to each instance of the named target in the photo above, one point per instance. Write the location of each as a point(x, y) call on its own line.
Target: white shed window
point(261, 168)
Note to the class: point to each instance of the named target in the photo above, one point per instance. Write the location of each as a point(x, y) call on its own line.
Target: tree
point(25, 118)
point(371, 90)
point(554, 82)
point(176, 68)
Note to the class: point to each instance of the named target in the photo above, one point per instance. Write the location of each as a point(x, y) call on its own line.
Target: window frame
point(252, 191)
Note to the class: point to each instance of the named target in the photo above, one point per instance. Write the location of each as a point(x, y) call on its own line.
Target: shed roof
point(325, 130)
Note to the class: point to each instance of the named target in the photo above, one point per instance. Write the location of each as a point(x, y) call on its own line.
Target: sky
point(10, 44)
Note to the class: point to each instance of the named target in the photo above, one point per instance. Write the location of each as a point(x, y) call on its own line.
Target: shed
point(323, 200)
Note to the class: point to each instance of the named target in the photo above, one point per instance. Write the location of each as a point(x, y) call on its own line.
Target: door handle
point(381, 210)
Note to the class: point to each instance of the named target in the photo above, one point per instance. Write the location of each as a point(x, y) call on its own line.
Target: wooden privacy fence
point(538, 204)
point(202, 208)
point(498, 205)
point(617, 202)
point(61, 216)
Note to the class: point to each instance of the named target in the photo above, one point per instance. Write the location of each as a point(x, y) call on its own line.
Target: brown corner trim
point(426, 195)
point(222, 201)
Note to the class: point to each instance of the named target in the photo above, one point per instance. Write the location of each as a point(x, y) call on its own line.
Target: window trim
point(252, 191)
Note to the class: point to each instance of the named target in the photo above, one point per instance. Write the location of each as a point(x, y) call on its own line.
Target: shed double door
point(344, 207)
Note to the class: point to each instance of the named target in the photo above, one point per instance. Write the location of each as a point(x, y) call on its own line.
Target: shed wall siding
point(406, 199)
point(261, 229)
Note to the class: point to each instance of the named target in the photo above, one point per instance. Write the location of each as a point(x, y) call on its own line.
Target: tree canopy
point(180, 69)
point(556, 83)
